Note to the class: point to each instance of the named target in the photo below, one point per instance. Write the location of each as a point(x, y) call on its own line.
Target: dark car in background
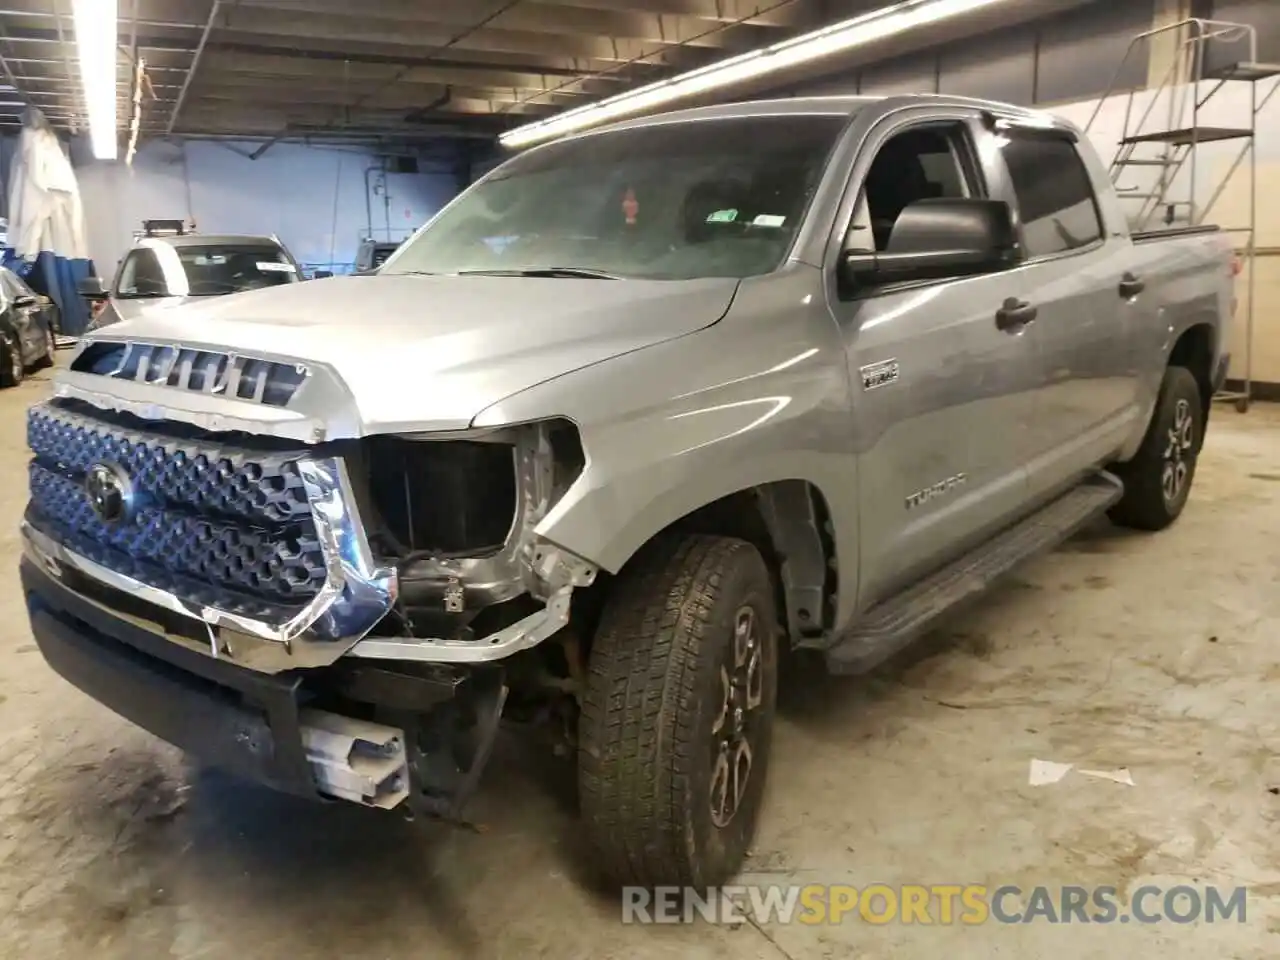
point(26, 329)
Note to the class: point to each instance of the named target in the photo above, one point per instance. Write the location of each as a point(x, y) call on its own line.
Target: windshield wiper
point(579, 273)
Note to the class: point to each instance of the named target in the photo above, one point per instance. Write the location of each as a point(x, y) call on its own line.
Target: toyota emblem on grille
point(110, 492)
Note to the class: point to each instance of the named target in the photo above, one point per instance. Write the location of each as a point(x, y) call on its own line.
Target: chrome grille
point(284, 565)
point(210, 520)
point(187, 368)
point(208, 478)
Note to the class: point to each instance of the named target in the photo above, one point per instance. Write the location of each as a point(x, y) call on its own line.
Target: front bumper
point(262, 726)
point(237, 719)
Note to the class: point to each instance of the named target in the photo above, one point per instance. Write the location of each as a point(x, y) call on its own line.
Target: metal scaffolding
point(1204, 56)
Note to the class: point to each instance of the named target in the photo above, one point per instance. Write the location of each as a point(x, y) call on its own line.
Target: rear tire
point(50, 348)
point(1157, 481)
point(11, 369)
point(680, 698)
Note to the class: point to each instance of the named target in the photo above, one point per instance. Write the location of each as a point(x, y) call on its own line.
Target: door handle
point(1131, 286)
point(1014, 314)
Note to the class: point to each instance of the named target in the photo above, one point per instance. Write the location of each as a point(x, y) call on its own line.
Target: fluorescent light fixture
point(845, 35)
point(96, 29)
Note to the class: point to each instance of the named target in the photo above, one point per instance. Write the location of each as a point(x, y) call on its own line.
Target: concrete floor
point(1155, 653)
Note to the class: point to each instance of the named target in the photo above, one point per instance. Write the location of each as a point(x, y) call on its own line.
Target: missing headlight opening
point(443, 498)
point(456, 516)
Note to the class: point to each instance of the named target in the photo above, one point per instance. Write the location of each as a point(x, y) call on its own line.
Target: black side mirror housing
point(92, 288)
point(935, 239)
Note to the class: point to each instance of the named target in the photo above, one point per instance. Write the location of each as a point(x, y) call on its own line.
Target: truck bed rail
point(1165, 233)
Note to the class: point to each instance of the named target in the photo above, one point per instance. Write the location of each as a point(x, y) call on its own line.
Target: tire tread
point(637, 756)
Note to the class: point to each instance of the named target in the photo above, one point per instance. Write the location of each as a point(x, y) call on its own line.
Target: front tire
point(1157, 481)
point(678, 712)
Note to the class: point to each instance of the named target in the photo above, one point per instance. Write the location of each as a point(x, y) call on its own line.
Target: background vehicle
point(167, 271)
point(668, 401)
point(26, 329)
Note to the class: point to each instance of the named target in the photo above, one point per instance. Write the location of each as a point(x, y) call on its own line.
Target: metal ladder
point(1165, 138)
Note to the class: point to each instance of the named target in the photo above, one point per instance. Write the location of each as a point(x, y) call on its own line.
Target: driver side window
point(921, 163)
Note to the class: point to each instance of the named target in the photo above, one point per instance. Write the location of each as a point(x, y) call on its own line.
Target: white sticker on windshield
point(769, 220)
point(274, 266)
point(722, 216)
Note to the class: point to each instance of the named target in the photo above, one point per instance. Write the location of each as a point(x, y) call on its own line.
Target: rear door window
point(1058, 208)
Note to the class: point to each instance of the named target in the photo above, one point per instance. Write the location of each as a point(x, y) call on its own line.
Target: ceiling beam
point(390, 36)
point(555, 19)
point(226, 66)
point(791, 14)
point(195, 65)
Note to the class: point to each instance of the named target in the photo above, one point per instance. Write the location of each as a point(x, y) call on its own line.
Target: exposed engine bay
point(456, 517)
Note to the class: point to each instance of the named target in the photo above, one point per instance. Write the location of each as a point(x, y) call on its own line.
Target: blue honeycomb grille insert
point(209, 479)
point(215, 524)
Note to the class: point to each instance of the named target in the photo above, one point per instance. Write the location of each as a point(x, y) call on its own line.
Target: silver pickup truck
point(666, 403)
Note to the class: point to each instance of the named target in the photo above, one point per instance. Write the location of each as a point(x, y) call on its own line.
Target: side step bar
point(355, 760)
point(893, 624)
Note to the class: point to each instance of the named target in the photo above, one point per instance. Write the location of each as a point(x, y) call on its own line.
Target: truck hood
point(432, 352)
point(128, 308)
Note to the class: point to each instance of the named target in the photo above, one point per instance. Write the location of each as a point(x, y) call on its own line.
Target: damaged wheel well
point(788, 521)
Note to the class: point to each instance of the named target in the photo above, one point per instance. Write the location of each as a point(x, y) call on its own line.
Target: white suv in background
point(167, 271)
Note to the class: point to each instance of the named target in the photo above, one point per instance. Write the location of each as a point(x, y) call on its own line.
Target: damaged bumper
point(295, 731)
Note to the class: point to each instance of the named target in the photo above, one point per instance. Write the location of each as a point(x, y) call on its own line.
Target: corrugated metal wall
point(1060, 59)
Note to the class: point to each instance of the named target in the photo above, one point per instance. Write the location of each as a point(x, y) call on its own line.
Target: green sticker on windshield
point(722, 216)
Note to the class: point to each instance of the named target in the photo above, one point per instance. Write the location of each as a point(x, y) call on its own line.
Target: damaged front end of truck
point(334, 614)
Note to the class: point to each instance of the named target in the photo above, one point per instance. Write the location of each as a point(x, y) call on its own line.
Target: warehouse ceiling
point(333, 69)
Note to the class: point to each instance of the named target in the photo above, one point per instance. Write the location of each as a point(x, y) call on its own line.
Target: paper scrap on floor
point(1118, 776)
point(1047, 771)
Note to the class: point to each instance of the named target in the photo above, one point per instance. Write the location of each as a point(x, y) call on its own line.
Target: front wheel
point(1157, 481)
point(678, 713)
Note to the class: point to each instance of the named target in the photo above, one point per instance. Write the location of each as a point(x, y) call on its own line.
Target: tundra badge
point(921, 497)
point(878, 374)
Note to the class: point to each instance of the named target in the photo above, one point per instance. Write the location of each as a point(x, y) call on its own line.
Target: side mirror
point(935, 239)
point(92, 288)
point(321, 274)
point(24, 301)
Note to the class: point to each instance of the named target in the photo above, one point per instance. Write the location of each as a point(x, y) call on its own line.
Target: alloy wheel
point(734, 733)
point(1178, 454)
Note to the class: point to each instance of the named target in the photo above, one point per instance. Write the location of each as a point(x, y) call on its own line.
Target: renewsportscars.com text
point(934, 904)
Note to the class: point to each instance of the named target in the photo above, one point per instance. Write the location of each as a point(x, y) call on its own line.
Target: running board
point(356, 760)
point(890, 626)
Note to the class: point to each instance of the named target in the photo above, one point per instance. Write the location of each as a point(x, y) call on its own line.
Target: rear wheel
point(11, 369)
point(1158, 479)
point(678, 713)
point(50, 348)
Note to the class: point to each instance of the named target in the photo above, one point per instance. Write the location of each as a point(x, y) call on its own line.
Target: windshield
point(205, 270)
point(709, 198)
